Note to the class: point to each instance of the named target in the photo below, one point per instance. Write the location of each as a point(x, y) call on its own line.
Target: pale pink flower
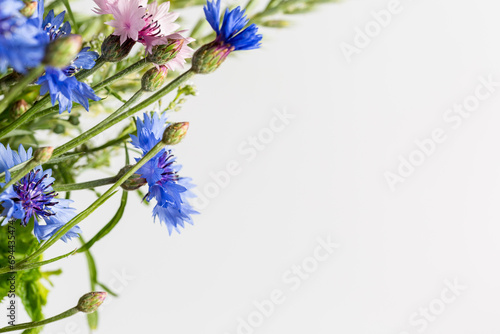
point(128, 20)
point(185, 52)
point(135, 19)
point(104, 6)
point(159, 24)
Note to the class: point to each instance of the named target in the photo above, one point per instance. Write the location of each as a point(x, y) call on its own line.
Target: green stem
point(112, 121)
point(71, 16)
point(111, 142)
point(103, 198)
point(16, 90)
point(197, 28)
point(85, 73)
point(85, 185)
point(9, 80)
point(26, 116)
point(250, 5)
point(34, 324)
point(28, 266)
point(22, 172)
point(52, 5)
point(96, 129)
point(35, 109)
point(137, 66)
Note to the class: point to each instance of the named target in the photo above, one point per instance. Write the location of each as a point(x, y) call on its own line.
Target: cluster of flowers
point(24, 40)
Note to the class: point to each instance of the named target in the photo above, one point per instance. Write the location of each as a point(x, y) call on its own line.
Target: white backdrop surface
point(310, 139)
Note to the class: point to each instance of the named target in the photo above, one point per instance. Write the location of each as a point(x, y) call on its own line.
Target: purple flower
point(32, 198)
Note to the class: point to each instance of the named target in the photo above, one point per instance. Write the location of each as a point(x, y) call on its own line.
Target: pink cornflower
point(185, 52)
point(149, 24)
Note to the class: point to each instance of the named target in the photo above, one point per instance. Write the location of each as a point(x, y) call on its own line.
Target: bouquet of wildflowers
point(56, 67)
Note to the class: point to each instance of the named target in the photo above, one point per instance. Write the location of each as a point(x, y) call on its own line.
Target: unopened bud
point(134, 182)
point(18, 109)
point(62, 51)
point(276, 23)
point(74, 120)
point(154, 78)
point(43, 154)
point(174, 133)
point(210, 56)
point(89, 302)
point(113, 51)
point(162, 54)
point(29, 8)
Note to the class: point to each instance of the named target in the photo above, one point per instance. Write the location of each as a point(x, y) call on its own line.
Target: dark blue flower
point(22, 45)
point(161, 174)
point(231, 31)
point(61, 83)
point(32, 198)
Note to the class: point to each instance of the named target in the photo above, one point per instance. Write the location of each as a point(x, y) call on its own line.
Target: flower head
point(149, 24)
point(22, 45)
point(231, 31)
point(61, 83)
point(231, 36)
point(32, 198)
point(161, 174)
point(65, 90)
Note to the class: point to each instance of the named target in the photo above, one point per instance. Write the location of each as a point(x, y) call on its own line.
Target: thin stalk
point(96, 129)
point(85, 185)
point(28, 266)
point(111, 143)
point(26, 116)
point(103, 198)
point(27, 325)
point(85, 73)
point(70, 13)
point(106, 125)
point(25, 170)
point(16, 90)
point(137, 66)
point(35, 109)
point(197, 28)
point(9, 80)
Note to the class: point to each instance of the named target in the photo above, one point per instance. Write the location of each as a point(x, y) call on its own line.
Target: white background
point(323, 176)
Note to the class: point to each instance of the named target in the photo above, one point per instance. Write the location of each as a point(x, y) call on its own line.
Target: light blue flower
point(170, 191)
point(22, 45)
point(61, 83)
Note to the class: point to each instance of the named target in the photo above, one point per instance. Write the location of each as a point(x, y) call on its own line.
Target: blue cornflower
point(161, 174)
point(22, 45)
point(231, 31)
point(61, 83)
point(32, 197)
point(231, 36)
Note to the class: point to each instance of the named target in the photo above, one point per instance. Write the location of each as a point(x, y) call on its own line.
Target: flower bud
point(134, 182)
point(43, 154)
point(210, 56)
point(62, 51)
point(174, 133)
point(29, 8)
point(89, 302)
point(113, 51)
point(154, 78)
point(18, 109)
point(162, 54)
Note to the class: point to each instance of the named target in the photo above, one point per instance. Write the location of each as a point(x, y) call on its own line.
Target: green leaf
point(109, 226)
point(93, 320)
